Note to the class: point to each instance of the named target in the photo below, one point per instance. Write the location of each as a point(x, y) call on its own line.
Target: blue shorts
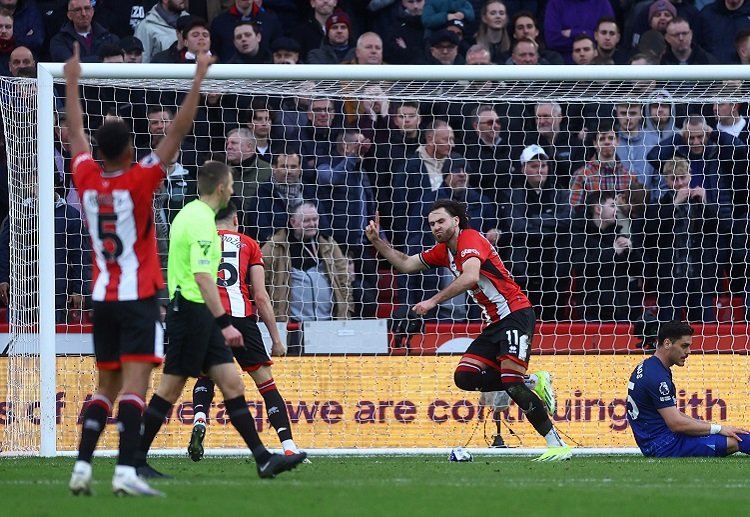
point(675, 445)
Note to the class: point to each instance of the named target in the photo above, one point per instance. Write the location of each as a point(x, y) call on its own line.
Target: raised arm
point(401, 261)
point(76, 136)
point(183, 121)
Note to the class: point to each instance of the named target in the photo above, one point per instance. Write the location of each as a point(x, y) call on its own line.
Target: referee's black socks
point(245, 425)
point(153, 419)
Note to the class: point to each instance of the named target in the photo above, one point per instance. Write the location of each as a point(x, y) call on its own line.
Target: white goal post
point(33, 338)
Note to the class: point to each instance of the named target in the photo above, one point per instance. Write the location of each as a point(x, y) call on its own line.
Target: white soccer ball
point(460, 454)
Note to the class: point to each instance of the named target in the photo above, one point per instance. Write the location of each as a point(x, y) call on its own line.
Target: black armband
point(224, 321)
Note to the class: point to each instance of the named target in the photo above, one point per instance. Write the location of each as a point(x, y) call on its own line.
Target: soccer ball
point(460, 454)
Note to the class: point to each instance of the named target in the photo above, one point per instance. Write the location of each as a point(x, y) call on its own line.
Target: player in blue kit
point(660, 429)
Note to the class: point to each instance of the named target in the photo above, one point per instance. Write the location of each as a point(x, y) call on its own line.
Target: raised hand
point(373, 229)
point(72, 68)
point(202, 62)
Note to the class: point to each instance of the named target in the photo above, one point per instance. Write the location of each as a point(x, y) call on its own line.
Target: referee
point(200, 332)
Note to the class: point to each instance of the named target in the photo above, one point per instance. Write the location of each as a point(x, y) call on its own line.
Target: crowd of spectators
point(598, 210)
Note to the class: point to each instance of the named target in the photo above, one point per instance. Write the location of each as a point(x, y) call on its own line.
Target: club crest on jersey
point(663, 388)
point(205, 246)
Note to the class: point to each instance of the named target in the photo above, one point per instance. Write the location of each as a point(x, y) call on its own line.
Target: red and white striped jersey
point(118, 208)
point(238, 254)
point(495, 291)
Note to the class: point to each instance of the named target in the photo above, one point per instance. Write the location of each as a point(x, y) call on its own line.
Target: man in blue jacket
point(720, 23)
point(80, 28)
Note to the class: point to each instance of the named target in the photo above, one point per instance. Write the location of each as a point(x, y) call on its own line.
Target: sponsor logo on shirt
point(469, 251)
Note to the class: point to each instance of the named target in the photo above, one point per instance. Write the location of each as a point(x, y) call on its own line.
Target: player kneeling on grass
point(660, 429)
point(242, 288)
point(496, 360)
point(539, 382)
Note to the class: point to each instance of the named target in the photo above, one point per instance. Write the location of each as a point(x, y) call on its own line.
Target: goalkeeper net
point(614, 203)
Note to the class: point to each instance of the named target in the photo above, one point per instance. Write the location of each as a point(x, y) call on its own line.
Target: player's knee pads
point(467, 380)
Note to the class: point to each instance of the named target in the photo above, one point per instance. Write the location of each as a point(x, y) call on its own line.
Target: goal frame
point(47, 73)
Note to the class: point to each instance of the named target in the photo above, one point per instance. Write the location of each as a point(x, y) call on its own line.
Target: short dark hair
point(210, 175)
point(522, 14)
point(582, 37)
point(597, 198)
point(159, 108)
point(455, 209)
point(607, 19)
point(406, 104)
point(228, 212)
point(647, 56)
point(679, 19)
point(603, 126)
point(112, 139)
point(27, 71)
point(247, 115)
point(673, 330)
point(110, 50)
point(287, 150)
point(255, 26)
point(192, 24)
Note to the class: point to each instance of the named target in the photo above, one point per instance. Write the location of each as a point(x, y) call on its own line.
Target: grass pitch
point(394, 486)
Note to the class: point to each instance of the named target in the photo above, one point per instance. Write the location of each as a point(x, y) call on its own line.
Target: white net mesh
point(600, 269)
point(21, 402)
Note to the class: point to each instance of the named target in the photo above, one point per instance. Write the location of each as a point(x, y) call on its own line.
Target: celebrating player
point(241, 272)
point(662, 430)
point(128, 336)
point(496, 360)
point(199, 328)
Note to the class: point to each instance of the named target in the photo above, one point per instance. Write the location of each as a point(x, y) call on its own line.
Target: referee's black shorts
point(195, 342)
point(254, 354)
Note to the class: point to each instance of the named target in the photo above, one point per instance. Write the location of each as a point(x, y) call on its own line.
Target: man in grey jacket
point(157, 31)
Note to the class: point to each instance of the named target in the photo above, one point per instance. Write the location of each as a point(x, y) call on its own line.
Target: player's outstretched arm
point(76, 135)
point(401, 261)
point(183, 121)
point(679, 422)
point(265, 309)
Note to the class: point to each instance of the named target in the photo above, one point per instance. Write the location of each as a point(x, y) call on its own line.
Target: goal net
point(615, 202)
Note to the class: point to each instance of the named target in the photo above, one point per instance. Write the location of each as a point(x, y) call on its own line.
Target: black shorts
point(195, 342)
point(127, 332)
point(254, 354)
point(509, 338)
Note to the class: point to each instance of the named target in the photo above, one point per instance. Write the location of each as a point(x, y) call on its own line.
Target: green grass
point(395, 486)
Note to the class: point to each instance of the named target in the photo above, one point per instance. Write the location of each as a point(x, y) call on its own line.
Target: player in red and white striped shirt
point(242, 288)
point(117, 200)
point(498, 358)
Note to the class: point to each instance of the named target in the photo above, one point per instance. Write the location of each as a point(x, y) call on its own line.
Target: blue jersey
point(650, 388)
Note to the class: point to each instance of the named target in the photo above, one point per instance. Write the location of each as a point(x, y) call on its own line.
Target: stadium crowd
point(602, 212)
